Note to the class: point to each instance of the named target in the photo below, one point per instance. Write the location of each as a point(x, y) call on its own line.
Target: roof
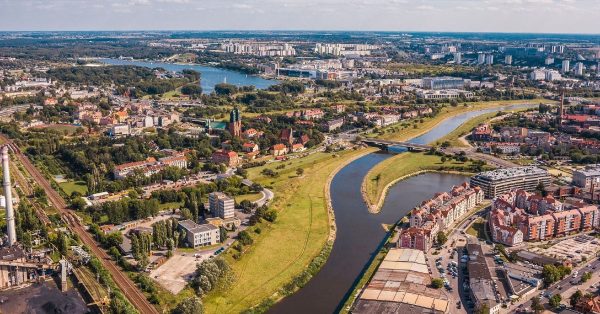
point(505, 173)
point(193, 227)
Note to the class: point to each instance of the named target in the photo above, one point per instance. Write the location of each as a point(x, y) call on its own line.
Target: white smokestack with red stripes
point(10, 214)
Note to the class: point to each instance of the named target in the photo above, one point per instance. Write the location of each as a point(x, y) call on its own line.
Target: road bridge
point(384, 144)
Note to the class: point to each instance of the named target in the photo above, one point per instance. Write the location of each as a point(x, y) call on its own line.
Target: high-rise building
point(235, 123)
point(457, 58)
point(549, 61)
point(481, 58)
point(489, 59)
point(565, 67)
point(508, 59)
point(221, 205)
point(578, 69)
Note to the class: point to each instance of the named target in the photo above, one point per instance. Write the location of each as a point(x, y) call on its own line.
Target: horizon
point(489, 16)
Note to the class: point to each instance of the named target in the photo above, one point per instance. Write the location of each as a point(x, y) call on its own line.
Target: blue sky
point(539, 16)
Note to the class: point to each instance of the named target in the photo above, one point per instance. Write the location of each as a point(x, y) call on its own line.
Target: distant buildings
point(519, 216)
point(199, 235)
point(481, 58)
point(457, 57)
point(500, 181)
point(345, 49)
point(565, 66)
point(260, 49)
point(221, 205)
point(578, 69)
point(444, 94)
point(508, 60)
point(443, 82)
point(489, 59)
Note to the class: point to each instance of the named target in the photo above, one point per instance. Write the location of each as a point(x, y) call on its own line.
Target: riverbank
point(398, 132)
point(276, 263)
point(384, 175)
point(454, 137)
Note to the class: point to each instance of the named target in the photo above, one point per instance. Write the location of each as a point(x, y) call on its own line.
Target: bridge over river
point(386, 143)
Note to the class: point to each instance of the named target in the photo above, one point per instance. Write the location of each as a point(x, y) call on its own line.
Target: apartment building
point(587, 177)
point(437, 214)
point(520, 216)
point(500, 181)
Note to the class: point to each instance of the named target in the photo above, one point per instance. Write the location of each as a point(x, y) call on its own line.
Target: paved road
point(129, 289)
point(267, 196)
point(565, 287)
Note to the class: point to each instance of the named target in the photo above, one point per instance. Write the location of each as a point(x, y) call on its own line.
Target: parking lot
point(177, 271)
point(576, 249)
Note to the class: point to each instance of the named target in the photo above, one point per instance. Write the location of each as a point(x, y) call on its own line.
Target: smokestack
point(562, 109)
point(10, 214)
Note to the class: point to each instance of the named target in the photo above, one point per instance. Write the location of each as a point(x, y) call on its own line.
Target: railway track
point(129, 289)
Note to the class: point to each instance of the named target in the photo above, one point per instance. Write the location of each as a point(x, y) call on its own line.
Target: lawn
point(74, 186)
point(170, 205)
point(402, 133)
point(285, 248)
point(468, 126)
point(386, 173)
point(477, 229)
point(248, 197)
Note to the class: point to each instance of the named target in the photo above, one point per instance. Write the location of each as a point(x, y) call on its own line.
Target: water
point(210, 76)
point(359, 233)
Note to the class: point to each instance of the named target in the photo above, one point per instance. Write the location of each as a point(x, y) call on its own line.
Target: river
point(210, 76)
point(359, 233)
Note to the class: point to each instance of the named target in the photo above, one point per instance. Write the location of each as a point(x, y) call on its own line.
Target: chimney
point(10, 214)
point(562, 109)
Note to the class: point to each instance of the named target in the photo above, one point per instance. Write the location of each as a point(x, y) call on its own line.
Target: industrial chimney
point(10, 214)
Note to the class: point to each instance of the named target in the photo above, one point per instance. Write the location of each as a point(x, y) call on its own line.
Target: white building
point(489, 59)
point(565, 67)
point(578, 69)
point(200, 235)
point(508, 59)
point(481, 58)
point(457, 58)
point(549, 61)
point(537, 75)
point(221, 205)
point(444, 94)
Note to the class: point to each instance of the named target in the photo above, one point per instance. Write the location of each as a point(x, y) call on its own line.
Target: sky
point(523, 16)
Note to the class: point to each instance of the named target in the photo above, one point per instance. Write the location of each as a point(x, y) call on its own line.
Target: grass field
point(400, 133)
point(467, 127)
point(389, 171)
point(249, 197)
point(74, 186)
point(477, 229)
point(285, 248)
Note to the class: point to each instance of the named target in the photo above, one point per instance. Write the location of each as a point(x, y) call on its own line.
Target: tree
point(536, 305)
point(575, 297)
point(586, 276)
point(299, 171)
point(225, 89)
point(441, 238)
point(541, 188)
point(555, 300)
point(191, 305)
point(192, 90)
point(437, 283)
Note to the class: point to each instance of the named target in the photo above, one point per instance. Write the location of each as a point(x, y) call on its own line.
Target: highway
point(129, 289)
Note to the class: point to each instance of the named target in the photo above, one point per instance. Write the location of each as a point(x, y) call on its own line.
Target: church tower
point(235, 122)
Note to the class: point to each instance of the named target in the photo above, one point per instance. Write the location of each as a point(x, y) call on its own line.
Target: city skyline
point(518, 16)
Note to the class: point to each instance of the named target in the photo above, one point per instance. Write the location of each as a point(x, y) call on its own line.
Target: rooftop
point(506, 173)
point(193, 227)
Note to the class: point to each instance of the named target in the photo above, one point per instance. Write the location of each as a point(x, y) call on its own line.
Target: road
point(267, 196)
point(129, 289)
point(565, 287)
